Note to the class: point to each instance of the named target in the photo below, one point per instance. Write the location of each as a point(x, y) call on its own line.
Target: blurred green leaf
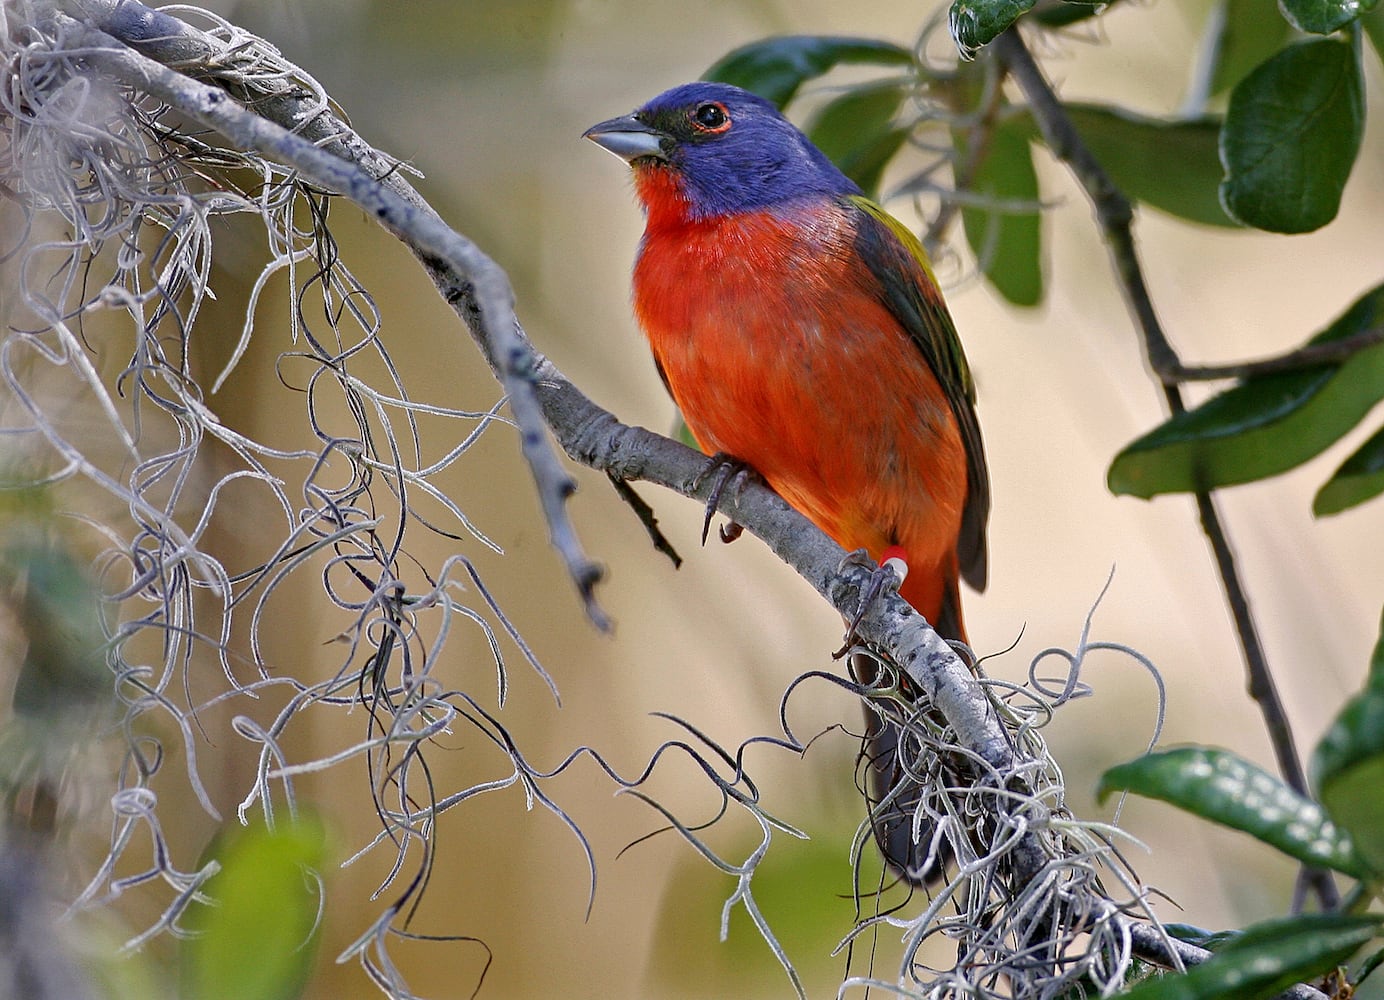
point(1322, 17)
point(1373, 23)
point(1291, 135)
point(1136, 151)
point(1352, 794)
point(803, 891)
point(1368, 966)
point(258, 937)
point(975, 23)
point(1059, 15)
point(1359, 478)
point(857, 131)
point(1200, 936)
point(1223, 788)
point(1266, 959)
point(1006, 239)
point(59, 610)
point(681, 432)
point(1264, 425)
point(774, 68)
point(1250, 32)
point(1190, 933)
point(1348, 765)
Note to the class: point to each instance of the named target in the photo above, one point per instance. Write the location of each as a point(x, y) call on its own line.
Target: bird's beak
point(628, 138)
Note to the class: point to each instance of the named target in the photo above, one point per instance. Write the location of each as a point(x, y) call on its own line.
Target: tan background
point(490, 100)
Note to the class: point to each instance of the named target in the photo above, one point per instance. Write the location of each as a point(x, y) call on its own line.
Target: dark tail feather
point(885, 775)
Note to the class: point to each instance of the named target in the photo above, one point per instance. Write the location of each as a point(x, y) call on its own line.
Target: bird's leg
point(888, 575)
point(729, 471)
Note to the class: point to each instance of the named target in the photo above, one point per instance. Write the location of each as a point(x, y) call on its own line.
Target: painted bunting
point(800, 329)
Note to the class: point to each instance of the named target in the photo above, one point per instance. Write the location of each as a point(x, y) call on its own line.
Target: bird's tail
point(892, 793)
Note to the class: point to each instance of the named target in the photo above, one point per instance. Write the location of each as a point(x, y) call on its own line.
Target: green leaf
point(1200, 936)
point(1266, 959)
point(774, 68)
point(1322, 17)
point(681, 432)
point(1348, 765)
point(1359, 478)
point(260, 932)
point(1136, 151)
point(1250, 32)
point(975, 23)
point(1373, 23)
point(1368, 966)
point(1264, 425)
point(857, 131)
point(1060, 15)
point(1223, 788)
point(1005, 236)
point(1291, 135)
point(59, 610)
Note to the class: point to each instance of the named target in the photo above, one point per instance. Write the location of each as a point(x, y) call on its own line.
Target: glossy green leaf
point(1060, 15)
point(260, 932)
point(1266, 959)
point(1322, 17)
point(1136, 151)
point(1348, 765)
point(1223, 788)
point(1250, 32)
point(1360, 478)
point(774, 68)
point(858, 133)
point(1291, 135)
point(975, 23)
point(1264, 425)
point(1005, 229)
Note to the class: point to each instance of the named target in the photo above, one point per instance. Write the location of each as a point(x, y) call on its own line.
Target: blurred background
point(489, 101)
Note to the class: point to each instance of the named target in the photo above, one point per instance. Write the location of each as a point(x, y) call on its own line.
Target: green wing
point(907, 285)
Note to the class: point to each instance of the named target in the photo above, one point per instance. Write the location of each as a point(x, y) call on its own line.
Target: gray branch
point(306, 135)
point(161, 56)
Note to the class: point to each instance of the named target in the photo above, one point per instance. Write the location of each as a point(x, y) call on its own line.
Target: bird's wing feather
point(898, 262)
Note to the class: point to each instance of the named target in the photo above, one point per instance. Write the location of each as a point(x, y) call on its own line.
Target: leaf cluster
point(1273, 133)
point(1276, 158)
point(1341, 829)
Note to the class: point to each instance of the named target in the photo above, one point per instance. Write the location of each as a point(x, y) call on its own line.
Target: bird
point(800, 329)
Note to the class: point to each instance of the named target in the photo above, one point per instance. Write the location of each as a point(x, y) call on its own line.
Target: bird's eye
point(710, 117)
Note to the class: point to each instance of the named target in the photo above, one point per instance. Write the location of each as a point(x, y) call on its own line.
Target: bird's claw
point(729, 471)
point(887, 576)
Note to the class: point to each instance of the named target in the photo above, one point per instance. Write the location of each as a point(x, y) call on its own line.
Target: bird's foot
point(729, 472)
point(889, 575)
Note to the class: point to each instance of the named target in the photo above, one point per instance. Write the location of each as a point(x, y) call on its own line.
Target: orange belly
point(810, 380)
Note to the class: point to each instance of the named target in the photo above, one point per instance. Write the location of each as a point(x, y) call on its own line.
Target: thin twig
point(647, 517)
point(1115, 217)
point(1308, 356)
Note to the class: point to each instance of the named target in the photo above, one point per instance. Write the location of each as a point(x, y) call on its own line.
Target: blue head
point(731, 150)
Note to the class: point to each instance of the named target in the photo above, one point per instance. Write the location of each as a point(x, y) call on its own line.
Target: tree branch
point(305, 134)
point(1115, 217)
point(1308, 356)
point(479, 291)
point(326, 149)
